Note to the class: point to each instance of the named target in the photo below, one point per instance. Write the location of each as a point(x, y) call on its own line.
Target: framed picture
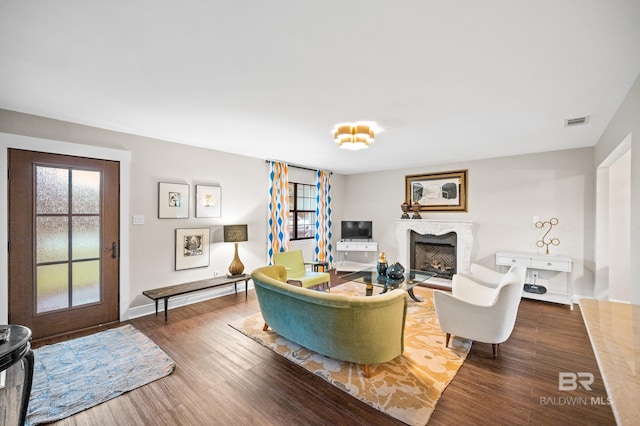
point(438, 191)
point(173, 200)
point(208, 201)
point(192, 248)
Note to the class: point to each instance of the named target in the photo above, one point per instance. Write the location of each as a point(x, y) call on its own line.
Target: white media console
point(354, 255)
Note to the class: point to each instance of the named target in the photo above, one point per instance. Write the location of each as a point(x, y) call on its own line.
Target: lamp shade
point(235, 233)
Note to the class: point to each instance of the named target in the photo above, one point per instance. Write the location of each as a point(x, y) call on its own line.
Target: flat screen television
point(357, 229)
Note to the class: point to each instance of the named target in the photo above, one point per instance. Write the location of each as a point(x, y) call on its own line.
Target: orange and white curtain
point(323, 218)
point(278, 226)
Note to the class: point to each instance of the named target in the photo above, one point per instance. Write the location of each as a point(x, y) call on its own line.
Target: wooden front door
point(63, 242)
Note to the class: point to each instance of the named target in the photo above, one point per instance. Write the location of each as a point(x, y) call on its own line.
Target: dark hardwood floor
point(225, 378)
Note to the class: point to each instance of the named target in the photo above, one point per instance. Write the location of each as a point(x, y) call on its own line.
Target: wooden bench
point(165, 293)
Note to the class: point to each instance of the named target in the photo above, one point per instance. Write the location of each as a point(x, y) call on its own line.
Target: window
point(302, 211)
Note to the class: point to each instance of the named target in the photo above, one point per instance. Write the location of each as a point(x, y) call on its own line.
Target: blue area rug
point(78, 374)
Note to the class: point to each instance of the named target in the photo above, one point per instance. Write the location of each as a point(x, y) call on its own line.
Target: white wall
point(244, 182)
point(619, 231)
point(504, 194)
point(626, 124)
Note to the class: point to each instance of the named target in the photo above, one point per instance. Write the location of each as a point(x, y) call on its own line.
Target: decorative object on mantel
point(354, 136)
point(382, 265)
point(544, 242)
point(445, 191)
point(405, 211)
point(415, 208)
point(235, 234)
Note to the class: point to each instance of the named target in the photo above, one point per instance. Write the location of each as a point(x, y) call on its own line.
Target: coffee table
point(370, 277)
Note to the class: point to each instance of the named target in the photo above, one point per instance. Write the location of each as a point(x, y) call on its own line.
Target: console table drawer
point(507, 261)
point(551, 265)
point(349, 246)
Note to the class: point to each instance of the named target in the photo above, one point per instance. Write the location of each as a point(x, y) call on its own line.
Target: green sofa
point(360, 329)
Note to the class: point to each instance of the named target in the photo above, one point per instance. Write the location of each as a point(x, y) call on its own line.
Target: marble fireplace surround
point(462, 228)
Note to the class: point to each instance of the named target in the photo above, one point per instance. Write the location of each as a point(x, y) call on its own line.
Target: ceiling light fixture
point(354, 136)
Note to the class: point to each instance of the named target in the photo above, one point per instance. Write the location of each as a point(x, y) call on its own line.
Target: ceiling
point(448, 81)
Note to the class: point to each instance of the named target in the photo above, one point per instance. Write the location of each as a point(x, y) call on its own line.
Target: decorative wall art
point(544, 241)
point(445, 191)
point(208, 201)
point(192, 248)
point(173, 200)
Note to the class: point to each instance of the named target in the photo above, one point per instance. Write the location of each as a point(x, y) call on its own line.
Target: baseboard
point(577, 297)
point(184, 300)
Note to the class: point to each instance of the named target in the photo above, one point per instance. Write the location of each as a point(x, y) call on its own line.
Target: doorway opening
point(613, 225)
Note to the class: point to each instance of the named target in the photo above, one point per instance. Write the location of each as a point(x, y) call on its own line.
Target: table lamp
point(235, 234)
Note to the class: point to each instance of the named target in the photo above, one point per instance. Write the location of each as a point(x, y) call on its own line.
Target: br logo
point(569, 381)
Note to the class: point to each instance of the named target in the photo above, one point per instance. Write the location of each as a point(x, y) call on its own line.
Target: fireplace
point(452, 236)
point(434, 253)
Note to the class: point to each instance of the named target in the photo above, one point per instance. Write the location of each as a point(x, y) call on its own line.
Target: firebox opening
point(434, 253)
point(438, 258)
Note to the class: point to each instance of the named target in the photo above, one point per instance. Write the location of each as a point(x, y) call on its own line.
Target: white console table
point(542, 262)
point(356, 255)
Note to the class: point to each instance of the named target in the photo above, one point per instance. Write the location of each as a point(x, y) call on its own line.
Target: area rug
point(78, 374)
point(408, 387)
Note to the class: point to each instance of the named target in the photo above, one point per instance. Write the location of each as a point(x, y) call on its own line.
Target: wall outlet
point(216, 273)
point(536, 219)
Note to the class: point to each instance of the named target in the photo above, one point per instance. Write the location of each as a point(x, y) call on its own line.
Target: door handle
point(114, 250)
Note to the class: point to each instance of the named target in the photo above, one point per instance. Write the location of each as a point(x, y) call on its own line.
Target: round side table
point(15, 348)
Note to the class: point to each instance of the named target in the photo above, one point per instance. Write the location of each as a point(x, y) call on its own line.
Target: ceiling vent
point(578, 121)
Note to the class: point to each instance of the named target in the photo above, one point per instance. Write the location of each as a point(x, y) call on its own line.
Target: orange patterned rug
point(408, 387)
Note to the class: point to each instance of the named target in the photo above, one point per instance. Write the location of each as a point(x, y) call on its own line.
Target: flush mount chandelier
point(354, 136)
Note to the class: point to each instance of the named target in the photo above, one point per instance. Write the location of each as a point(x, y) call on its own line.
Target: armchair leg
point(266, 327)
point(495, 346)
point(367, 371)
point(446, 343)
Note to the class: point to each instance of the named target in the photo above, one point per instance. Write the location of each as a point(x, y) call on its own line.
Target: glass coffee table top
point(370, 276)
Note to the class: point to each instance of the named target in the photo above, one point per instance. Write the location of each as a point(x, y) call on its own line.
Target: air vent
point(578, 121)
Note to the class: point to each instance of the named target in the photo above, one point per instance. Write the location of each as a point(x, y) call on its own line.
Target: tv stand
point(355, 255)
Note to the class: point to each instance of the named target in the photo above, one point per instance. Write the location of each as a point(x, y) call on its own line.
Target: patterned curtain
point(323, 218)
point(278, 208)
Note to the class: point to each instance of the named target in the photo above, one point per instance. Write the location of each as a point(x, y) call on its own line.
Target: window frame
point(294, 210)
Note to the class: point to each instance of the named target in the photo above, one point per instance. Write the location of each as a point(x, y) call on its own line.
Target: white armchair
point(485, 276)
point(479, 312)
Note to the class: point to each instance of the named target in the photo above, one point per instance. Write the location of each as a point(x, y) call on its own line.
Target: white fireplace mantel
point(462, 228)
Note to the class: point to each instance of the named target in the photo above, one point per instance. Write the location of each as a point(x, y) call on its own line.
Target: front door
point(63, 242)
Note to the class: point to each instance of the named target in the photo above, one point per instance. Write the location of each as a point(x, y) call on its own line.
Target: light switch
point(138, 219)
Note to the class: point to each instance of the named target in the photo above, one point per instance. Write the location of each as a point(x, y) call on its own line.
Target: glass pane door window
point(68, 229)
